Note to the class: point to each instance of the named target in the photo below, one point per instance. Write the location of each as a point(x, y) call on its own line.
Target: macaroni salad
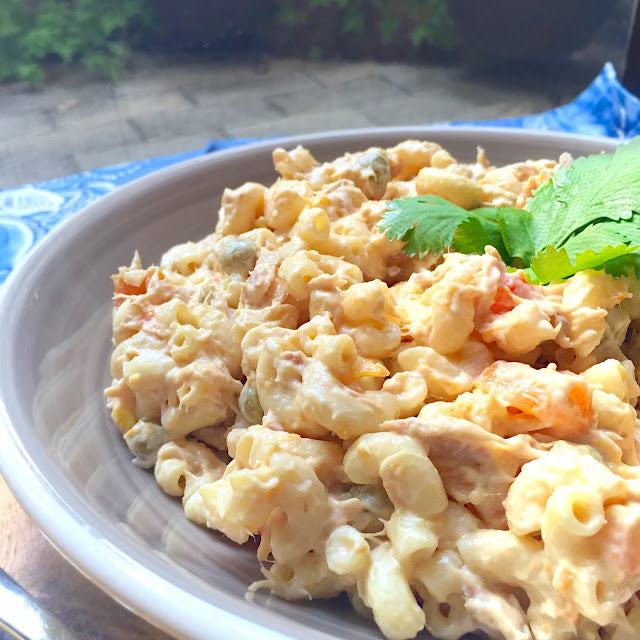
point(453, 447)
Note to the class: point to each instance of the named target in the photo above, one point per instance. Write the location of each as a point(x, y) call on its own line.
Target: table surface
point(31, 560)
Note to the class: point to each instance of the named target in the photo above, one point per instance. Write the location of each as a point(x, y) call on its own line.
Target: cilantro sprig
point(586, 217)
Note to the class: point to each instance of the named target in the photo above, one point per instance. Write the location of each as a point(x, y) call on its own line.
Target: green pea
point(376, 167)
point(144, 440)
point(250, 406)
point(238, 256)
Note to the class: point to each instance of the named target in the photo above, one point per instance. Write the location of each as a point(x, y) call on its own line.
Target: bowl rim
point(123, 577)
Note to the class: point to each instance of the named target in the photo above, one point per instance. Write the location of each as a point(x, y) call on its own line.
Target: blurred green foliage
point(99, 35)
point(414, 22)
point(94, 33)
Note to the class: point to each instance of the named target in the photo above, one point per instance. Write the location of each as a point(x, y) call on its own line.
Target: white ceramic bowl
point(66, 462)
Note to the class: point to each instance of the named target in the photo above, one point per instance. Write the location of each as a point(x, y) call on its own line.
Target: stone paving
point(75, 123)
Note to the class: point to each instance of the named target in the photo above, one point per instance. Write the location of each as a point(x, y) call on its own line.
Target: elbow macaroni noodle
point(453, 447)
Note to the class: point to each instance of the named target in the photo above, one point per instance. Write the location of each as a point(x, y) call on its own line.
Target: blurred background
point(87, 83)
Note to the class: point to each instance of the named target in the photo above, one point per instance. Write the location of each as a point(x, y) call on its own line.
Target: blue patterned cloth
point(29, 212)
point(604, 108)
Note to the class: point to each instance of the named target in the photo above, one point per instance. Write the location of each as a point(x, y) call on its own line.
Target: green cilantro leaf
point(586, 217)
point(591, 247)
point(627, 265)
point(605, 233)
point(556, 264)
point(599, 186)
point(478, 231)
point(517, 230)
point(424, 223)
